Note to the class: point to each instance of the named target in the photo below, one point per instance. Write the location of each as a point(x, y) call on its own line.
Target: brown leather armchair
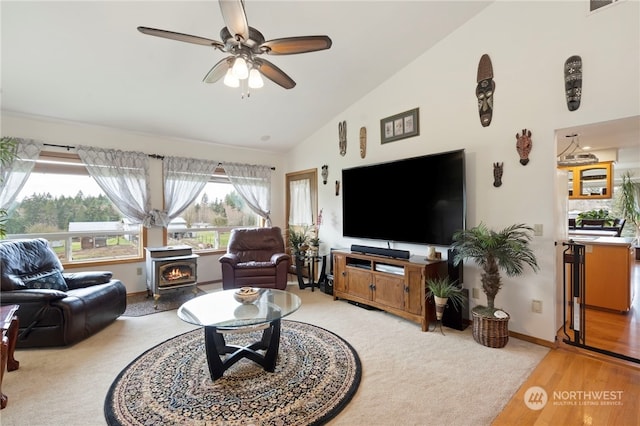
point(56, 308)
point(255, 258)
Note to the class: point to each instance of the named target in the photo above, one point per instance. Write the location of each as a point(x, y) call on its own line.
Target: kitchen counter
point(606, 240)
point(609, 265)
point(591, 232)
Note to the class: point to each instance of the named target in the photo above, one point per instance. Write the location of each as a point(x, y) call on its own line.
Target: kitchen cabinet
point(609, 264)
point(591, 181)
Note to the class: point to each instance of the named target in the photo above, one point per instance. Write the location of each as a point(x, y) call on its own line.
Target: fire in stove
point(174, 274)
point(177, 274)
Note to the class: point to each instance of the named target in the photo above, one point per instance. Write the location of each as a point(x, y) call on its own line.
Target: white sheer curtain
point(124, 177)
point(300, 212)
point(184, 179)
point(13, 176)
point(253, 183)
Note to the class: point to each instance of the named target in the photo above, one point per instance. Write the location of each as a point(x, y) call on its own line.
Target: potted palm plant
point(506, 250)
point(443, 290)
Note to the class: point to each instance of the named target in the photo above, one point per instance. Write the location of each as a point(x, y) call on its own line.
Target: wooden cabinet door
point(389, 290)
point(414, 291)
point(359, 283)
point(340, 273)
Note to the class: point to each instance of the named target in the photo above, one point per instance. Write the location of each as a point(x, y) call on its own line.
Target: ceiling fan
point(246, 44)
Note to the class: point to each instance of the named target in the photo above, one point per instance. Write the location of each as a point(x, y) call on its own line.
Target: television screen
point(415, 200)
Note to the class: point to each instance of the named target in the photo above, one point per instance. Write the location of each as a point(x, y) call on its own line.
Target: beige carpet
point(408, 377)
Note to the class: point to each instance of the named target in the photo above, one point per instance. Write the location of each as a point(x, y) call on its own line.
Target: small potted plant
point(600, 215)
point(508, 250)
point(298, 240)
point(443, 290)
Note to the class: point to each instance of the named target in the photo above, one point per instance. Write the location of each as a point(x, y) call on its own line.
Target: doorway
point(301, 210)
point(607, 331)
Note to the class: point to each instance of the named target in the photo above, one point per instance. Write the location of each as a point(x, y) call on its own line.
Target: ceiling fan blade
point(274, 73)
point(292, 45)
point(181, 37)
point(235, 17)
point(219, 70)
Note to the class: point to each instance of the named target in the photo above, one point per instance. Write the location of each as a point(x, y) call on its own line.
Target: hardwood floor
point(585, 387)
point(581, 389)
point(614, 331)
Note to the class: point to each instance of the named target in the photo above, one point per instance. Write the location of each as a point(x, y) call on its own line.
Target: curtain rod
point(156, 156)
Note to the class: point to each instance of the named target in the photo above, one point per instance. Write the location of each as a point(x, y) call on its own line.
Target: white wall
point(528, 43)
point(65, 133)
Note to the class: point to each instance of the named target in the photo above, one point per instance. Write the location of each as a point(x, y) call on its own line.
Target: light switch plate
point(537, 230)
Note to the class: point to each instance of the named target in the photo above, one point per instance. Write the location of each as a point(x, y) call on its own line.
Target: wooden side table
point(9, 322)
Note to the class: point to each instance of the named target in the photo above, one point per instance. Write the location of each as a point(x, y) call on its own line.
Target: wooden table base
point(10, 327)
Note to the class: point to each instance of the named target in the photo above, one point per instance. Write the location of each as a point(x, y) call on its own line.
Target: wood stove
point(170, 268)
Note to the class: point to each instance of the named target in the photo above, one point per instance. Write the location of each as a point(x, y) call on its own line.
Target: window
point(206, 224)
point(63, 204)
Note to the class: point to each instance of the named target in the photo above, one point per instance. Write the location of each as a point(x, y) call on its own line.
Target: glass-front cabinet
point(590, 181)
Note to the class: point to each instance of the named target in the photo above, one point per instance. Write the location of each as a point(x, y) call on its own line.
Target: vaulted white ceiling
point(85, 61)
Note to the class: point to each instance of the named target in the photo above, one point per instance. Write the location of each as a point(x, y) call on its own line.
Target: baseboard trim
point(531, 339)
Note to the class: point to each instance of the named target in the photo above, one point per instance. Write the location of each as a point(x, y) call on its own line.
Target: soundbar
point(397, 254)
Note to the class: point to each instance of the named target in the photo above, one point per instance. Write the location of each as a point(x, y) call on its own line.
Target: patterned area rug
point(316, 375)
point(140, 304)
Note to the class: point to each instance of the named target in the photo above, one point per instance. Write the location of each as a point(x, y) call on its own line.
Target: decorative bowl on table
point(246, 295)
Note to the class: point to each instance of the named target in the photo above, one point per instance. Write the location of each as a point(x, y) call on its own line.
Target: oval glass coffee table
point(219, 313)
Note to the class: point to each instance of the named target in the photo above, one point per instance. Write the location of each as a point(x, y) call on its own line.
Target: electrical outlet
point(475, 293)
point(139, 271)
point(537, 230)
point(536, 306)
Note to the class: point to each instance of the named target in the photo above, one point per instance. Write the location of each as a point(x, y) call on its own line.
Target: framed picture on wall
point(400, 126)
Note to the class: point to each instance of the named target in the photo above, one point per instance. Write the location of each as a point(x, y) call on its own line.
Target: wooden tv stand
point(396, 286)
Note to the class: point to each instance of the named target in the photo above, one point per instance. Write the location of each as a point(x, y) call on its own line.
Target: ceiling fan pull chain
point(245, 88)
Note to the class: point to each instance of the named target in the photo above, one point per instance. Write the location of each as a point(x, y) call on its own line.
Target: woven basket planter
point(491, 332)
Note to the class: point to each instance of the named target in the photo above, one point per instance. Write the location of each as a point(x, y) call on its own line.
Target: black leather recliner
point(56, 308)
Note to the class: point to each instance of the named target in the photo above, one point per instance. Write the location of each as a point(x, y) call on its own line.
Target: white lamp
point(255, 79)
point(240, 70)
point(230, 79)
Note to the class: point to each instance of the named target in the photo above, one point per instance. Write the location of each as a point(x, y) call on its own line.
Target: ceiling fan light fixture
point(240, 69)
point(244, 44)
point(230, 80)
point(255, 79)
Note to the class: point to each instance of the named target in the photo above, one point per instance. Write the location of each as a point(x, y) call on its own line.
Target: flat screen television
point(415, 200)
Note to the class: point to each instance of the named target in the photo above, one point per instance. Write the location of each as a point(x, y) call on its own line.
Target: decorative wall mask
point(337, 188)
point(363, 142)
point(573, 82)
point(497, 174)
point(342, 137)
point(484, 90)
point(524, 145)
point(325, 173)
